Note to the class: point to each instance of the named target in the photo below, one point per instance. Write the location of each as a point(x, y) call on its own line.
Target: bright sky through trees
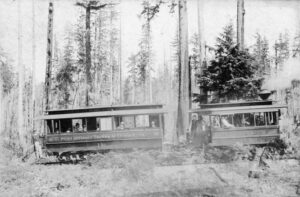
point(269, 18)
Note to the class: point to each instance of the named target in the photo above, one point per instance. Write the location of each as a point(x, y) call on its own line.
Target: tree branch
point(150, 11)
point(98, 7)
point(81, 4)
point(93, 5)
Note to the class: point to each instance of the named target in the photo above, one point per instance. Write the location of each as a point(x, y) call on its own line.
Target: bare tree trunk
point(1, 108)
point(183, 93)
point(120, 56)
point(240, 23)
point(111, 60)
point(88, 53)
point(49, 55)
point(21, 128)
point(33, 64)
point(200, 30)
point(202, 65)
point(90, 5)
point(133, 92)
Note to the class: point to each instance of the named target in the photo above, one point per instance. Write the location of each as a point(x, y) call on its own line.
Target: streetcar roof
point(238, 109)
point(104, 114)
point(103, 108)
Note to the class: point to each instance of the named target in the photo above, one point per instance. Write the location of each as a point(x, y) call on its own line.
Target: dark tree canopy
point(231, 74)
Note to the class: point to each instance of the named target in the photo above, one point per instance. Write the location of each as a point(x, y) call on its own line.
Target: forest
point(64, 55)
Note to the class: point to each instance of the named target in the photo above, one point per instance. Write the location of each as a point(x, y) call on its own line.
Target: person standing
point(198, 131)
point(37, 145)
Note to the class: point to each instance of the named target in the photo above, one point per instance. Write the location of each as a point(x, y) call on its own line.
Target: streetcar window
point(259, 118)
point(124, 122)
point(66, 125)
point(154, 121)
point(104, 124)
point(248, 120)
point(215, 121)
point(271, 118)
point(79, 125)
point(227, 121)
point(142, 121)
point(56, 126)
point(49, 127)
point(239, 120)
point(244, 120)
point(91, 124)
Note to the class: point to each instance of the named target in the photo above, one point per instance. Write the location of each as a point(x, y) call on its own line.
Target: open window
point(248, 119)
point(124, 122)
point(154, 121)
point(259, 118)
point(238, 120)
point(56, 126)
point(142, 121)
point(104, 124)
point(79, 125)
point(49, 127)
point(91, 124)
point(271, 118)
point(66, 125)
point(215, 121)
point(226, 121)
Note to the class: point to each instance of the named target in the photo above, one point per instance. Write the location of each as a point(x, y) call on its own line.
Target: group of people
point(78, 128)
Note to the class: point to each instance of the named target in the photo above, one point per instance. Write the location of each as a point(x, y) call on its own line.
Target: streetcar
point(255, 122)
point(103, 128)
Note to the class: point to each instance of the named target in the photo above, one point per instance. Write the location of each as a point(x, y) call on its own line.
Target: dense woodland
point(86, 69)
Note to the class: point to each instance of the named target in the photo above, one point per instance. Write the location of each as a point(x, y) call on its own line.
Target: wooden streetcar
point(255, 122)
point(71, 133)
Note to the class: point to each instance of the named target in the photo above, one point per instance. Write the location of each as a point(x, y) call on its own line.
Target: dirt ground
point(139, 175)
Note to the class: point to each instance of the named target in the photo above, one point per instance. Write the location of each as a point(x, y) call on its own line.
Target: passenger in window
point(245, 122)
point(98, 127)
point(77, 128)
point(68, 130)
point(153, 125)
point(216, 122)
point(260, 120)
point(226, 124)
point(84, 128)
point(57, 131)
point(122, 125)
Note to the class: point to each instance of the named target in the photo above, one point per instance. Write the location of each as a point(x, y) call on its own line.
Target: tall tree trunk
point(88, 54)
point(111, 59)
point(1, 109)
point(49, 55)
point(240, 23)
point(120, 55)
point(133, 92)
point(147, 82)
point(183, 93)
point(33, 64)
point(202, 65)
point(21, 128)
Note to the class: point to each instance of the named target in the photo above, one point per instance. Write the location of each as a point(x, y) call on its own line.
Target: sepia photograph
point(150, 98)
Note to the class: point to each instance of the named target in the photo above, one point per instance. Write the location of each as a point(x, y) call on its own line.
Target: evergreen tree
point(64, 77)
point(296, 45)
point(232, 73)
point(6, 73)
point(262, 55)
point(282, 51)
